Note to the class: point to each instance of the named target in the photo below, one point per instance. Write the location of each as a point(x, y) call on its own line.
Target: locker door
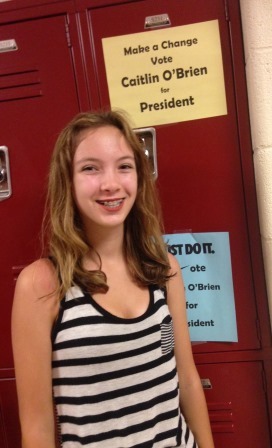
point(234, 410)
point(38, 96)
point(199, 162)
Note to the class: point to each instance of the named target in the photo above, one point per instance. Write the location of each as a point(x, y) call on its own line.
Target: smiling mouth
point(115, 203)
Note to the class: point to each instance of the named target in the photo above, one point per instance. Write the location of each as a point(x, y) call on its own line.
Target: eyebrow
point(97, 160)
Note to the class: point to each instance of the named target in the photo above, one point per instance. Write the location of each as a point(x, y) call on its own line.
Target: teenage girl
point(100, 337)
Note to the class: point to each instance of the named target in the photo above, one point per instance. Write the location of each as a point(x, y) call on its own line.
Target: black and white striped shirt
point(115, 383)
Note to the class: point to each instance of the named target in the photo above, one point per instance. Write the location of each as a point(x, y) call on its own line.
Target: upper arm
point(33, 314)
point(177, 306)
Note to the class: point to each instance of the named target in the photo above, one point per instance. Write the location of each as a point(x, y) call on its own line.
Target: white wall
point(257, 30)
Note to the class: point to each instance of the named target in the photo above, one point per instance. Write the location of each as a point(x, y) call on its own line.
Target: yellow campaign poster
point(167, 75)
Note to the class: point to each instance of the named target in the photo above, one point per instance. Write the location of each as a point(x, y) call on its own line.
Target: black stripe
point(100, 340)
point(87, 299)
point(86, 320)
point(118, 413)
point(124, 432)
point(159, 303)
point(97, 398)
point(187, 434)
point(158, 438)
point(99, 378)
point(76, 301)
point(179, 432)
point(107, 358)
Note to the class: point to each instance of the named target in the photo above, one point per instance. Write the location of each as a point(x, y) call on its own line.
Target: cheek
point(79, 192)
point(75, 190)
point(84, 185)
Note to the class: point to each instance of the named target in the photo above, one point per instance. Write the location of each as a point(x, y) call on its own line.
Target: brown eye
point(126, 166)
point(90, 168)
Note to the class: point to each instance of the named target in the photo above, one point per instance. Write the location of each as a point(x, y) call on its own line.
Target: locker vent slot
point(19, 84)
point(221, 417)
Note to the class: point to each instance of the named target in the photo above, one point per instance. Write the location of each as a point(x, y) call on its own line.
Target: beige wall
point(257, 31)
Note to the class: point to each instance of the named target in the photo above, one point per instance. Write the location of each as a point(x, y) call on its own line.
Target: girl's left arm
point(192, 398)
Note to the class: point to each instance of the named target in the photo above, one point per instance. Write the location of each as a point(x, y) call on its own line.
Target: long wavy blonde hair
point(144, 248)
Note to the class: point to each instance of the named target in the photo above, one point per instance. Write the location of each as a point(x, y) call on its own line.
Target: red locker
point(9, 421)
point(33, 91)
point(38, 95)
point(235, 394)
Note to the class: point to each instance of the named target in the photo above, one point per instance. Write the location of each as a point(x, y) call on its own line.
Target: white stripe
point(158, 294)
point(73, 293)
point(81, 311)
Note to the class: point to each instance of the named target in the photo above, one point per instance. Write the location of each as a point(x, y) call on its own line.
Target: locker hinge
point(68, 36)
point(227, 10)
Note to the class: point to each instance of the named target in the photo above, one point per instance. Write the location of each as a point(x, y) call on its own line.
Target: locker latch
point(5, 182)
point(8, 45)
point(206, 383)
point(157, 21)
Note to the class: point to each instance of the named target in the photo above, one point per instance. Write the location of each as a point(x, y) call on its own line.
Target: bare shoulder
point(37, 287)
point(174, 264)
point(39, 277)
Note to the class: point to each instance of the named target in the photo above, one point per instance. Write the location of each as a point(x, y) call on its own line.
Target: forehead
point(103, 140)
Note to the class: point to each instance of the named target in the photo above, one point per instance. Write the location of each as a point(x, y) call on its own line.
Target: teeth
point(111, 203)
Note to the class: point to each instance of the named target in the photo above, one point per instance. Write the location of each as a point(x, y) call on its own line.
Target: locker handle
point(2, 174)
point(5, 180)
point(147, 137)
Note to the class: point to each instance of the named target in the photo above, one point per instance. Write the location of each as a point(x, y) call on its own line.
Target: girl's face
point(104, 178)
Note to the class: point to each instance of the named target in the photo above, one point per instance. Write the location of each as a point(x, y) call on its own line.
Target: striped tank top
point(115, 382)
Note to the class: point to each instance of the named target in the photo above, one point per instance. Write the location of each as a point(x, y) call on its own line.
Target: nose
point(110, 181)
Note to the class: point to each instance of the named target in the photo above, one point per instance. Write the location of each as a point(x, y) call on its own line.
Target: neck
point(108, 243)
